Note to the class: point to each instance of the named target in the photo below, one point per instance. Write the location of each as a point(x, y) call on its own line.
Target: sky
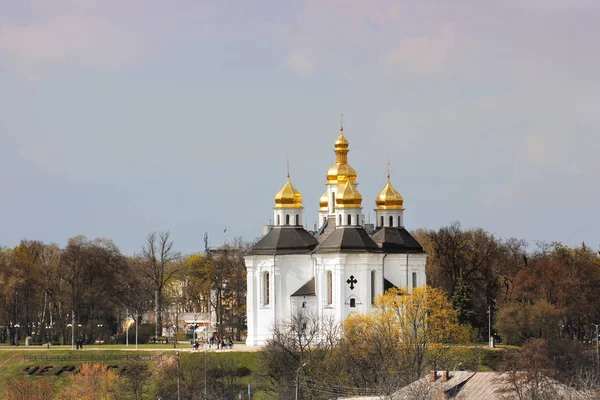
point(123, 117)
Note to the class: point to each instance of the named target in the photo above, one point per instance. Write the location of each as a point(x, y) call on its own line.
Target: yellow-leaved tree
point(391, 346)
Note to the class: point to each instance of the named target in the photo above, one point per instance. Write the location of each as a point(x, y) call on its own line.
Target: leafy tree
point(92, 382)
point(519, 321)
point(24, 389)
point(394, 344)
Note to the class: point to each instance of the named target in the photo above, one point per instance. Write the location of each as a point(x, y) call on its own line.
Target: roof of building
point(476, 386)
point(348, 239)
point(285, 240)
point(396, 240)
point(308, 289)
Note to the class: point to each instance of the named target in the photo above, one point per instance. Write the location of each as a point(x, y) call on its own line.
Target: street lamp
point(17, 326)
point(100, 328)
point(298, 379)
point(72, 335)
point(194, 334)
point(597, 348)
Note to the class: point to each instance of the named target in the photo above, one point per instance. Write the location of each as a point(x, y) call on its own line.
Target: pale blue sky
point(123, 117)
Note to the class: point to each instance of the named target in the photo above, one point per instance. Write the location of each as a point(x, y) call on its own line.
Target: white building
point(340, 269)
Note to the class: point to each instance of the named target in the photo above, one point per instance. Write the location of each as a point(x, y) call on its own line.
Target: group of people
point(79, 343)
point(214, 341)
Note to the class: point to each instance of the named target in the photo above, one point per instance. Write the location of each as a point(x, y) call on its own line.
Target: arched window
point(357, 219)
point(381, 224)
point(297, 219)
point(329, 288)
point(414, 280)
point(287, 219)
point(353, 302)
point(399, 221)
point(349, 219)
point(266, 289)
point(278, 220)
point(340, 220)
point(333, 202)
point(391, 221)
point(372, 287)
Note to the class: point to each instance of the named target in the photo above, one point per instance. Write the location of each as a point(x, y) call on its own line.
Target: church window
point(372, 287)
point(297, 219)
point(357, 219)
point(349, 219)
point(391, 221)
point(329, 288)
point(278, 220)
point(340, 219)
point(381, 223)
point(333, 202)
point(287, 219)
point(352, 302)
point(414, 280)
point(266, 289)
point(399, 222)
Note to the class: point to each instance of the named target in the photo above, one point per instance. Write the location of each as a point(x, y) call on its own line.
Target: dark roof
point(348, 239)
point(387, 285)
point(396, 240)
point(285, 240)
point(326, 230)
point(308, 289)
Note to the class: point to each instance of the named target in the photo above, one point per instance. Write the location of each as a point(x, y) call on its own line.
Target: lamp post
point(298, 379)
point(194, 334)
point(17, 326)
point(597, 348)
point(100, 329)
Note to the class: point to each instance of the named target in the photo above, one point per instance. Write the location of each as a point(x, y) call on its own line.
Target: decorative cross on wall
point(351, 282)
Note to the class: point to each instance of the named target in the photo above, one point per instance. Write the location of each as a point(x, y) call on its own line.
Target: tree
point(93, 381)
point(159, 264)
point(519, 321)
point(23, 389)
point(226, 272)
point(302, 342)
point(529, 373)
point(135, 376)
point(392, 346)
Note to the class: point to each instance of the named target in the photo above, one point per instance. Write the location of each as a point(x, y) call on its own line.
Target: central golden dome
point(288, 196)
point(389, 198)
point(341, 171)
point(348, 197)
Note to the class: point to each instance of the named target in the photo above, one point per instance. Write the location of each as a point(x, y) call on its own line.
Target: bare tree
point(159, 265)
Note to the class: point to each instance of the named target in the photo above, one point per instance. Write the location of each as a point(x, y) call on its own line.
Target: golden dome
point(341, 141)
point(389, 198)
point(348, 197)
point(288, 196)
point(340, 172)
point(324, 201)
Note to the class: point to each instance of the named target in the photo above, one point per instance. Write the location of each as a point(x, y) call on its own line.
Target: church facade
point(339, 269)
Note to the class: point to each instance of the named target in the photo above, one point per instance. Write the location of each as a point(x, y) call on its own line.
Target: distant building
point(340, 268)
point(446, 385)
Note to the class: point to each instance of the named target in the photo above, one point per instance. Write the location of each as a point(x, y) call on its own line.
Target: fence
point(92, 357)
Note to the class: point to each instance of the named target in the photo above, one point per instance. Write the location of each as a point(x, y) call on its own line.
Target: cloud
point(302, 62)
point(87, 41)
point(422, 55)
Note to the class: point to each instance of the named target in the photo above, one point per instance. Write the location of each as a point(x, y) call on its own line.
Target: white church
point(342, 267)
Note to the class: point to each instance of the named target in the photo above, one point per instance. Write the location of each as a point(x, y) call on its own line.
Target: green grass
point(13, 362)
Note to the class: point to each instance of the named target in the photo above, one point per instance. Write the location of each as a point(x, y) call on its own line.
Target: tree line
point(548, 290)
point(89, 288)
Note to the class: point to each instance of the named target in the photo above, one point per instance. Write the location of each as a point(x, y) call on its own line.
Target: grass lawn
point(14, 362)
